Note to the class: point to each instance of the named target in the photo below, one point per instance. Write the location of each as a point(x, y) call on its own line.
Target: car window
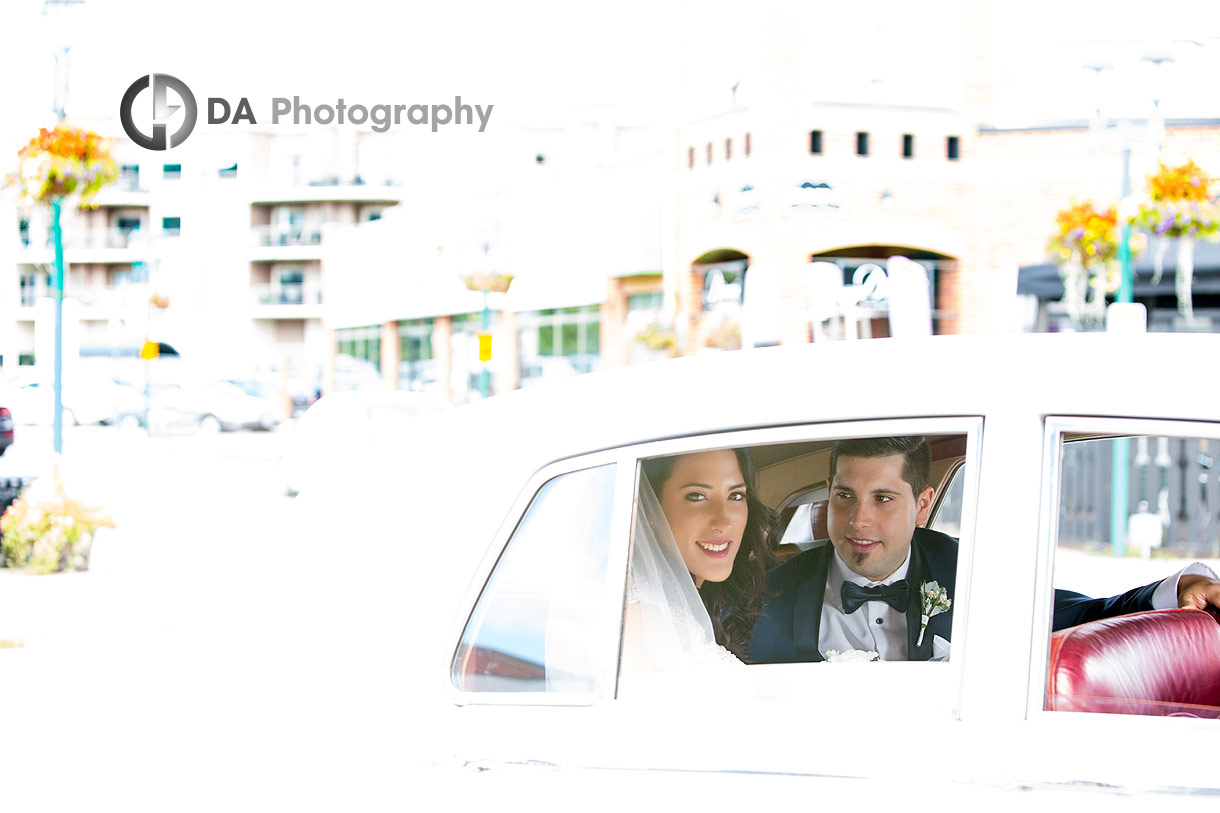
point(791, 477)
point(530, 630)
point(1129, 512)
point(948, 514)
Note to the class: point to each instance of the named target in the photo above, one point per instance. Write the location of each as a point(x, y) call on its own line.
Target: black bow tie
point(896, 595)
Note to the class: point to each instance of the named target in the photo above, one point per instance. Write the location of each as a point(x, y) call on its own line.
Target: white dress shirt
point(875, 626)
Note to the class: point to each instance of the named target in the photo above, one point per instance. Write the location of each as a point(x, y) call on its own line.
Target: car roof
point(1156, 375)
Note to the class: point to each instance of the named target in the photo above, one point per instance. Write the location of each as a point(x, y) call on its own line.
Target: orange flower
point(1186, 182)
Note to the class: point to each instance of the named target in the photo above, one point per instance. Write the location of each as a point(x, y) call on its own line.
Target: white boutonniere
point(851, 656)
point(933, 600)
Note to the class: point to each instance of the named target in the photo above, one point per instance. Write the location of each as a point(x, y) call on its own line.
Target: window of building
point(558, 342)
point(171, 172)
point(228, 172)
point(126, 231)
point(709, 152)
point(34, 285)
point(746, 149)
point(690, 158)
point(359, 349)
point(908, 145)
point(129, 177)
point(645, 302)
point(289, 227)
point(416, 366)
point(171, 226)
point(728, 149)
point(288, 287)
point(530, 630)
point(861, 143)
point(23, 231)
point(952, 150)
point(815, 142)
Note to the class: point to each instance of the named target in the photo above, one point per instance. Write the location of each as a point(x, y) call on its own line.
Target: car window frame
point(1055, 428)
point(970, 426)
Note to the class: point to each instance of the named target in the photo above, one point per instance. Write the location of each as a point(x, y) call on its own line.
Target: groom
point(863, 591)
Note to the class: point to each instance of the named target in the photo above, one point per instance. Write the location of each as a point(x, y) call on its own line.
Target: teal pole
point(1126, 285)
point(485, 376)
point(1120, 472)
point(57, 237)
point(1119, 507)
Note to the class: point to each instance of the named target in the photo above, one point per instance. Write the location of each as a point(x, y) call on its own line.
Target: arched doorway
point(855, 262)
point(710, 306)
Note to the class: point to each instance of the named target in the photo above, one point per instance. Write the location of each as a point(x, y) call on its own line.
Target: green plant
point(48, 531)
point(656, 337)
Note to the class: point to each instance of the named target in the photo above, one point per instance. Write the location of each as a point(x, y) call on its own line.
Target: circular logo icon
point(162, 111)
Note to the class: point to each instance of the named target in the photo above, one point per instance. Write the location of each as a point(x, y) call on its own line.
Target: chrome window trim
point(1054, 429)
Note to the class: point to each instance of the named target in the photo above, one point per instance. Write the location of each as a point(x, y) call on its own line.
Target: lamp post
point(59, 104)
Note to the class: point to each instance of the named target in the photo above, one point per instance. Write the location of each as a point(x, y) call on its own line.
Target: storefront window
point(559, 342)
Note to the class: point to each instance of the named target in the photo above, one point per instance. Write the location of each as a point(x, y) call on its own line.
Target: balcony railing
point(110, 237)
point(287, 235)
point(307, 293)
point(114, 294)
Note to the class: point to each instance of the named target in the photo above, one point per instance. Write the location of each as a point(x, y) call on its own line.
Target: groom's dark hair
point(916, 457)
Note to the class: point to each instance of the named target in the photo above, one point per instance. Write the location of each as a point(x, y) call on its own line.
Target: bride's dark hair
point(735, 603)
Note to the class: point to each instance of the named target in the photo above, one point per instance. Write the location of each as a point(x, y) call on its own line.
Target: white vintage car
point(454, 622)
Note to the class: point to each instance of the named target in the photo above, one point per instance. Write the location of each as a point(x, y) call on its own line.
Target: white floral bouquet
point(851, 656)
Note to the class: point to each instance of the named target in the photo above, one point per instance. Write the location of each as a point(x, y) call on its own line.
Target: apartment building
point(215, 248)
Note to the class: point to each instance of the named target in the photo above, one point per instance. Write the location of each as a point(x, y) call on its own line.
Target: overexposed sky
point(652, 59)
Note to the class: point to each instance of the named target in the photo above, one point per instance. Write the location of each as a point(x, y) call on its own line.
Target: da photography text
point(380, 117)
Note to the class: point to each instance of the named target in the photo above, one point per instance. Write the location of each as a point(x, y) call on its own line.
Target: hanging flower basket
point(1178, 204)
point(1085, 247)
point(61, 162)
point(488, 281)
point(1085, 235)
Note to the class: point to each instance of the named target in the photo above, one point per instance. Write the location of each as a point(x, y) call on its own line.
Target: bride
point(699, 561)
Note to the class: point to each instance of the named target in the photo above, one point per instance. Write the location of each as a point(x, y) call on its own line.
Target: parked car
point(340, 428)
point(6, 429)
point(219, 406)
point(535, 491)
point(85, 401)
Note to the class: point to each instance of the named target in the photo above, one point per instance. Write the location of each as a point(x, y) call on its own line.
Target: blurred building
point(763, 208)
point(214, 248)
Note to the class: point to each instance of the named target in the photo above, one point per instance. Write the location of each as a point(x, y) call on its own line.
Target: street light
point(59, 104)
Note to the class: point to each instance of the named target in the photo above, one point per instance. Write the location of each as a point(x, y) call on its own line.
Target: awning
point(1043, 280)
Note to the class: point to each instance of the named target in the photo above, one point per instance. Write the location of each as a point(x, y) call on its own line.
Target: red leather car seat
point(1162, 663)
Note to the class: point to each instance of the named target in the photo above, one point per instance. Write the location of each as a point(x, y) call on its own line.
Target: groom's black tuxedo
point(787, 630)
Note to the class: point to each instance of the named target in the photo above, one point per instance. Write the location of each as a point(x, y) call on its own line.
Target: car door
point(522, 701)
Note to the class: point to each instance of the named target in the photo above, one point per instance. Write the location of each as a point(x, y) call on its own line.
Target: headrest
point(1162, 663)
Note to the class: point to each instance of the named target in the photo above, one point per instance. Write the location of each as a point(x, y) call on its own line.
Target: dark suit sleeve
point(1073, 608)
point(771, 641)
